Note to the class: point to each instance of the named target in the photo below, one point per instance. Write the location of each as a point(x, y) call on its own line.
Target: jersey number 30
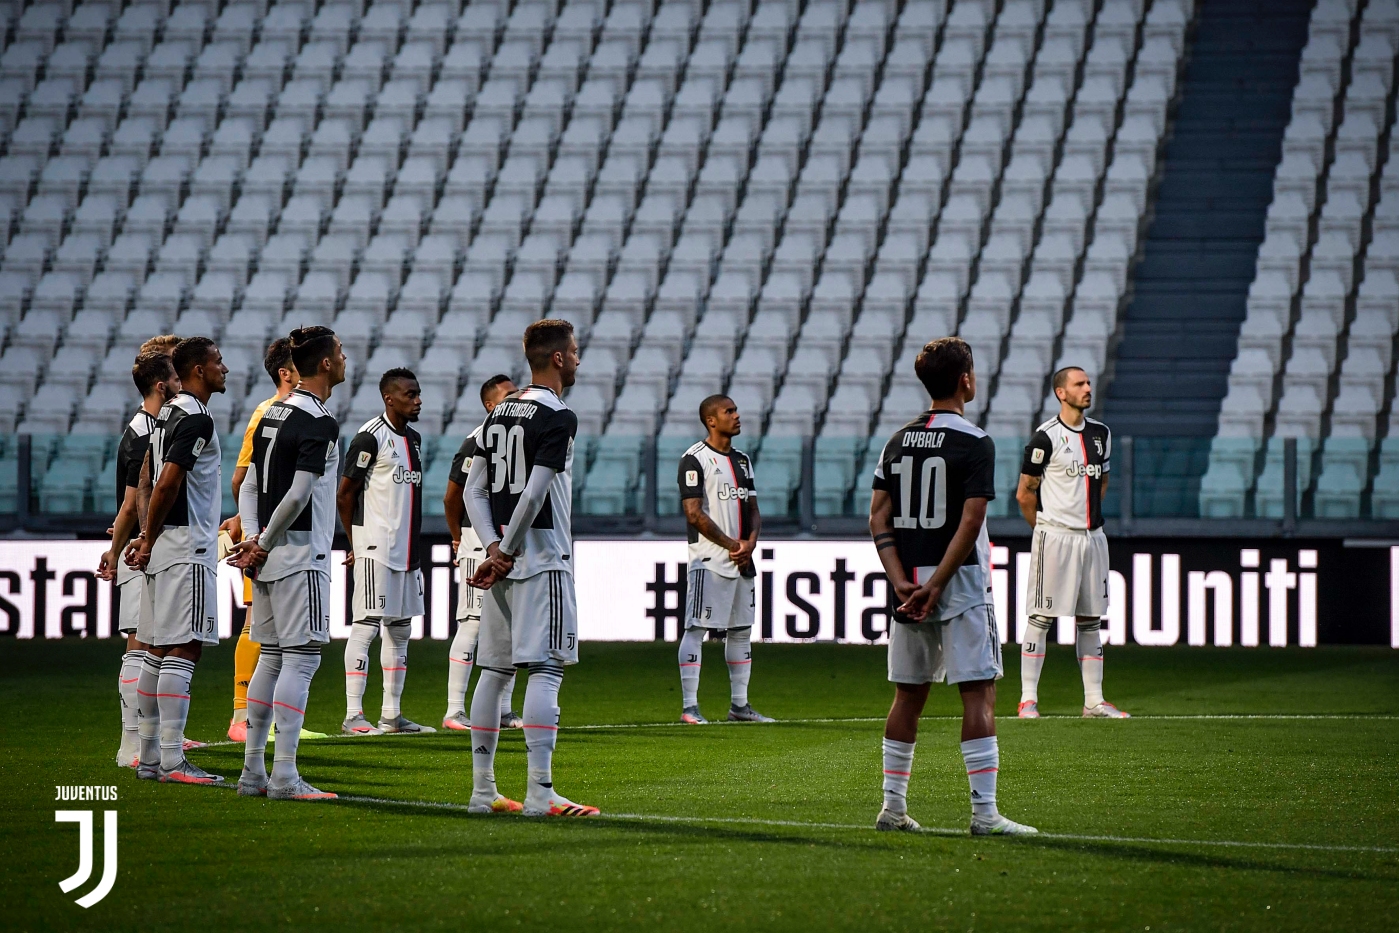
point(932, 493)
point(507, 447)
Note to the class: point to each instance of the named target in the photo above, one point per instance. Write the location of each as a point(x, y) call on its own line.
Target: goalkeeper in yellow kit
point(279, 366)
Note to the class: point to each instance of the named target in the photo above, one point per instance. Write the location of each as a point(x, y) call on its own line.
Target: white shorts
point(382, 593)
point(964, 648)
point(130, 594)
point(529, 621)
point(292, 611)
point(718, 602)
point(179, 606)
point(1068, 573)
point(468, 597)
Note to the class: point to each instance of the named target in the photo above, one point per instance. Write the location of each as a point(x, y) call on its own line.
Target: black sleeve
point(552, 452)
point(1037, 454)
point(467, 450)
point(187, 439)
point(981, 472)
point(690, 476)
point(314, 447)
point(359, 460)
point(135, 457)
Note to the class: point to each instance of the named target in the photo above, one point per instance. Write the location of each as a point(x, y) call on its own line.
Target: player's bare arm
point(743, 554)
point(882, 531)
point(699, 518)
point(1026, 496)
point(123, 527)
point(345, 496)
point(926, 596)
point(453, 509)
point(143, 493)
point(162, 500)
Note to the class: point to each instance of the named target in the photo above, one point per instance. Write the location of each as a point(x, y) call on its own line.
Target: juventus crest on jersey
point(930, 468)
point(1071, 464)
point(297, 434)
point(184, 435)
point(725, 483)
point(388, 517)
point(532, 428)
point(131, 454)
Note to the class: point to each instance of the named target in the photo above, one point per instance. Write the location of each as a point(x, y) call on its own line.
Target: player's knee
point(1091, 624)
point(1044, 622)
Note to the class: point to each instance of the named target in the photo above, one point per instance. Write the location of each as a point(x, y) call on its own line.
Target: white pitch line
point(926, 830)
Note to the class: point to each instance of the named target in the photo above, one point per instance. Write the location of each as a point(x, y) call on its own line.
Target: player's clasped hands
point(493, 569)
point(138, 554)
point(918, 601)
point(247, 554)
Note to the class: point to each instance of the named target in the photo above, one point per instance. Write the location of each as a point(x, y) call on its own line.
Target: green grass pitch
point(1164, 822)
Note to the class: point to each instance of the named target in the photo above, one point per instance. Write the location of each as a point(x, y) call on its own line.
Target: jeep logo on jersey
point(408, 477)
point(732, 492)
point(1094, 470)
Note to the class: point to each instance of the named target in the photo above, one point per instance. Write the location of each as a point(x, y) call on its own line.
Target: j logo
point(109, 866)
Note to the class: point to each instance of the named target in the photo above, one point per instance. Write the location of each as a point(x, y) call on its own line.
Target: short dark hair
point(189, 353)
point(1061, 376)
point(491, 383)
point(710, 406)
point(149, 369)
point(545, 338)
point(941, 365)
point(165, 343)
point(398, 372)
point(310, 345)
point(278, 356)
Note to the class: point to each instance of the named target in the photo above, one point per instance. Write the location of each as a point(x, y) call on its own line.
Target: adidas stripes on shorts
point(383, 593)
point(179, 605)
point(1068, 572)
point(529, 621)
point(713, 601)
point(292, 611)
point(966, 647)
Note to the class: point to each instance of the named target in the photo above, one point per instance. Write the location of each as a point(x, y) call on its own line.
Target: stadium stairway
point(1180, 331)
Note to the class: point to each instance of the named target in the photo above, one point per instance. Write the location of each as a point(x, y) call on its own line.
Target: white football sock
point(393, 658)
point(127, 681)
point(898, 765)
point(262, 690)
point(1089, 647)
point(507, 696)
point(461, 658)
point(173, 693)
point(485, 730)
point(541, 715)
point(357, 666)
point(983, 759)
point(738, 653)
point(289, 708)
point(1032, 657)
point(691, 657)
point(148, 709)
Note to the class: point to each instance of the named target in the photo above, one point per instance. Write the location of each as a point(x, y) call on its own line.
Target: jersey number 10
point(934, 481)
point(507, 449)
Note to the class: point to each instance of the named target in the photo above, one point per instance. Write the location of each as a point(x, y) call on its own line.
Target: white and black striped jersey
point(930, 468)
point(461, 466)
point(297, 434)
point(184, 435)
point(388, 515)
point(1071, 465)
point(533, 427)
point(725, 483)
point(131, 454)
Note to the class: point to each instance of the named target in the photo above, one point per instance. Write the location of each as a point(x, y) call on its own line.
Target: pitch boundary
point(866, 827)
